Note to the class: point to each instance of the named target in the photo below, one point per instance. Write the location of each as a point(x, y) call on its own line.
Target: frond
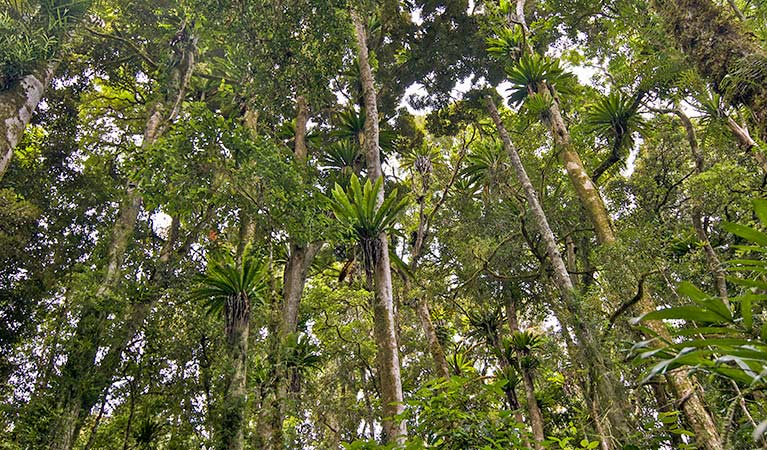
point(530, 72)
point(506, 45)
point(615, 117)
point(356, 208)
point(224, 278)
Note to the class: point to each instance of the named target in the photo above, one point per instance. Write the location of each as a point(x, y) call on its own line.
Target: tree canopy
point(380, 224)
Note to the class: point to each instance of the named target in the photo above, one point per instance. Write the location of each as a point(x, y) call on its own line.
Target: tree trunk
point(435, 347)
point(302, 116)
point(300, 258)
point(422, 304)
point(685, 389)
point(722, 51)
point(608, 388)
point(294, 279)
point(237, 313)
point(16, 108)
point(587, 191)
point(712, 259)
point(533, 409)
point(383, 305)
point(82, 380)
point(747, 143)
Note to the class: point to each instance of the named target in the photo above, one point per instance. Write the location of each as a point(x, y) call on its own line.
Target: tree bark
point(302, 116)
point(747, 143)
point(715, 266)
point(721, 50)
point(16, 108)
point(383, 305)
point(588, 193)
point(435, 347)
point(300, 258)
point(685, 389)
point(237, 313)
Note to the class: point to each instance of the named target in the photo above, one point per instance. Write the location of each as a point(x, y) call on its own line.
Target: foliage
point(725, 337)
point(31, 32)
point(358, 211)
point(531, 74)
point(615, 117)
point(226, 278)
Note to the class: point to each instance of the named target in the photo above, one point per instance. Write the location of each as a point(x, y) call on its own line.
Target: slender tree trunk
point(435, 347)
point(422, 303)
point(300, 258)
point(608, 389)
point(302, 117)
point(533, 409)
point(747, 143)
point(296, 270)
point(712, 259)
point(383, 306)
point(722, 51)
point(685, 389)
point(16, 108)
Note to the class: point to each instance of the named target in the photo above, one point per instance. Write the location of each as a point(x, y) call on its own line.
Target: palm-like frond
point(225, 279)
point(357, 209)
point(711, 106)
point(350, 125)
point(506, 45)
point(615, 117)
point(524, 341)
point(343, 156)
point(486, 324)
point(531, 72)
point(485, 165)
point(300, 354)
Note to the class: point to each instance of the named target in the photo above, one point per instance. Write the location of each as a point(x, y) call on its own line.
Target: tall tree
point(383, 307)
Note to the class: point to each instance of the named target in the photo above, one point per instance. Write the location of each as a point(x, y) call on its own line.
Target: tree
point(236, 289)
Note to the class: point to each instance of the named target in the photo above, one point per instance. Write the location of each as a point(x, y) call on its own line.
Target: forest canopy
point(383, 224)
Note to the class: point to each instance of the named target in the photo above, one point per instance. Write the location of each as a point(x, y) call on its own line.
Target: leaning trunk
point(533, 409)
point(587, 191)
point(383, 304)
point(722, 51)
point(435, 347)
point(16, 107)
point(607, 389)
point(685, 389)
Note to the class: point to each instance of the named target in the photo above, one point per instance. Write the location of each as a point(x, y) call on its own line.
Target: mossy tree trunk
point(607, 390)
point(237, 314)
point(725, 54)
point(17, 105)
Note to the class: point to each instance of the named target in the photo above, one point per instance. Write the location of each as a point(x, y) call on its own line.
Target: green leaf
point(745, 311)
point(690, 290)
point(760, 209)
point(745, 232)
point(693, 313)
